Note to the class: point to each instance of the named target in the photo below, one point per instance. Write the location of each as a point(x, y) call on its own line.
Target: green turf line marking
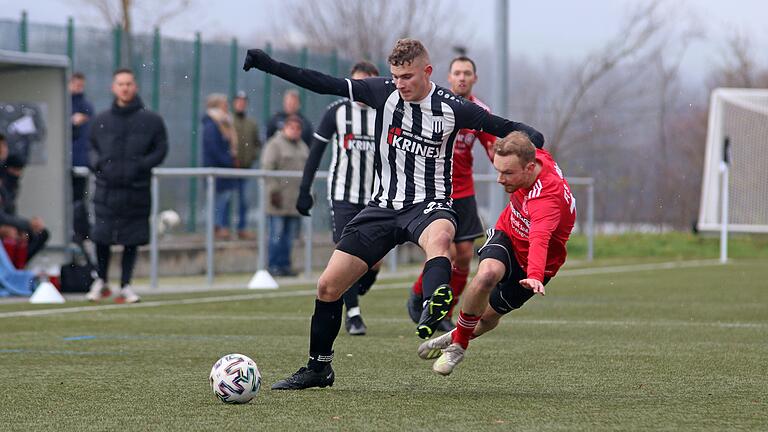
point(302, 293)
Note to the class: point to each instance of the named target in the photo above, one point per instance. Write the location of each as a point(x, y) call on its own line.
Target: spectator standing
point(127, 141)
point(220, 151)
point(291, 106)
point(82, 111)
point(285, 152)
point(248, 148)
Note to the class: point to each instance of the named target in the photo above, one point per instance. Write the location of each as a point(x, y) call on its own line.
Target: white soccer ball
point(167, 220)
point(235, 379)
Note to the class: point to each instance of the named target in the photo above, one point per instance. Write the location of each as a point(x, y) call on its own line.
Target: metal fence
point(173, 76)
point(211, 174)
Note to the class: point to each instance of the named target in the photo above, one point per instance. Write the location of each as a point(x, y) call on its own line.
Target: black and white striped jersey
point(350, 128)
point(413, 140)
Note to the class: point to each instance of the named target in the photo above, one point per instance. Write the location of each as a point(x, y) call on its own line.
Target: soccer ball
point(167, 220)
point(235, 379)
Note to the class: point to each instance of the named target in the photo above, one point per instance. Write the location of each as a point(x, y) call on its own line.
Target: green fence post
point(193, 140)
point(303, 63)
point(23, 30)
point(117, 46)
point(71, 42)
point(233, 57)
point(334, 63)
point(334, 69)
point(267, 95)
point(156, 70)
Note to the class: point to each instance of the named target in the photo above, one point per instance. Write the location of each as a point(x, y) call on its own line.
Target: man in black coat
point(291, 106)
point(127, 141)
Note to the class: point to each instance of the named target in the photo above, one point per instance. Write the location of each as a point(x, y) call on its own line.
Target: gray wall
point(45, 189)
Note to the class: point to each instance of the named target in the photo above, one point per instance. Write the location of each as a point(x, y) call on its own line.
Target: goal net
point(737, 157)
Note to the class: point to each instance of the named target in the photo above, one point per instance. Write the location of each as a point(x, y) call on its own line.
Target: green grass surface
point(680, 349)
point(672, 245)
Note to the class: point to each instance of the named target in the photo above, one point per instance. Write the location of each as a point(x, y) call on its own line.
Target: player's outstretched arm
point(307, 78)
point(502, 127)
point(305, 200)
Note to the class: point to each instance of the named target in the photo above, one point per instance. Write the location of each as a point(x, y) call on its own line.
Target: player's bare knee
point(488, 275)
point(441, 240)
point(327, 291)
point(484, 281)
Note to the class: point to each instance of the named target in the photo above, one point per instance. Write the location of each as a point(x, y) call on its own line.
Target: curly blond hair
point(406, 51)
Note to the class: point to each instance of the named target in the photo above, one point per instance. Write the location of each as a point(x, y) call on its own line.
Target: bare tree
point(741, 67)
point(642, 28)
point(365, 29)
point(120, 13)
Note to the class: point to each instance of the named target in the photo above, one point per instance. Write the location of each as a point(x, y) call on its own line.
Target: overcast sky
point(565, 29)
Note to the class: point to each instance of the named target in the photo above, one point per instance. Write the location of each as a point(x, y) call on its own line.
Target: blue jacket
point(80, 133)
point(216, 152)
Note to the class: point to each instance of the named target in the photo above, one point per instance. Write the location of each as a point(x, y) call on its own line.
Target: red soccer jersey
point(539, 220)
point(463, 184)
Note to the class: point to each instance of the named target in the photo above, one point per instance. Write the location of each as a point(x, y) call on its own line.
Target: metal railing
point(211, 174)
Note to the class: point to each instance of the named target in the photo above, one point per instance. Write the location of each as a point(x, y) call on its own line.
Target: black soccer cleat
point(414, 306)
point(445, 325)
point(355, 325)
point(434, 311)
point(307, 378)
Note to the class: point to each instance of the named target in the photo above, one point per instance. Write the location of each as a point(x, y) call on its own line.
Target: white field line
point(510, 322)
point(301, 293)
point(637, 267)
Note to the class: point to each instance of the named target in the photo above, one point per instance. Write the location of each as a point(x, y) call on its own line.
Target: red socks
point(418, 288)
point(465, 326)
point(458, 283)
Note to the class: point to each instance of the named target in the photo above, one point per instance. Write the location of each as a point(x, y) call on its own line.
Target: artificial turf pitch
point(665, 349)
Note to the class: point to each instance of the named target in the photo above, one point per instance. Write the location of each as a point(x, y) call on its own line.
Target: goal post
point(734, 193)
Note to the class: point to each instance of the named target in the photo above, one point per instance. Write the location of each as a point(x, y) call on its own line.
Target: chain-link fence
point(174, 77)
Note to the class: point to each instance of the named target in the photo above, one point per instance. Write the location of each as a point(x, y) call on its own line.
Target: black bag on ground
point(78, 275)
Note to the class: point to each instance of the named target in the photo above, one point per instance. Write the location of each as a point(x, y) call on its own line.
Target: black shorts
point(508, 294)
point(341, 213)
point(470, 227)
point(375, 230)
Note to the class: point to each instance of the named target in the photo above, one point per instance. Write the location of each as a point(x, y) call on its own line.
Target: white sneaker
point(433, 348)
point(99, 290)
point(127, 296)
point(452, 356)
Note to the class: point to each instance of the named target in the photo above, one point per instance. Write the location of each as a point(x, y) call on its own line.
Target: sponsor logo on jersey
point(359, 142)
point(408, 142)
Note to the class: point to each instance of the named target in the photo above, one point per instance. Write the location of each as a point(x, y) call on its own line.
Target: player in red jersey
point(522, 253)
point(462, 77)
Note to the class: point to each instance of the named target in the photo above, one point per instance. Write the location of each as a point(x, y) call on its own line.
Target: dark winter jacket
point(126, 143)
point(80, 133)
point(278, 120)
point(217, 152)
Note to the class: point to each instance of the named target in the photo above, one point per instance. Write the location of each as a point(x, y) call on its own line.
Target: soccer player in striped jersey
point(462, 76)
point(416, 125)
point(523, 252)
point(350, 128)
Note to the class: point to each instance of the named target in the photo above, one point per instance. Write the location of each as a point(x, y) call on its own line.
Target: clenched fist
point(256, 58)
point(304, 203)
